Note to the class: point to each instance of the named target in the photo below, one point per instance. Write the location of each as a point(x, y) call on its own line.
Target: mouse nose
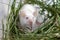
point(30, 23)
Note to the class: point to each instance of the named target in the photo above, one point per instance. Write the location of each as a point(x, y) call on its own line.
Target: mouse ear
point(35, 13)
point(22, 14)
point(37, 7)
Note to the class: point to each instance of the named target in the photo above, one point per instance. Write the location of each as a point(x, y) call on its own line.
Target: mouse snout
point(30, 22)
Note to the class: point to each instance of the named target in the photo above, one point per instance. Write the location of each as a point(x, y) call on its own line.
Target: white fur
point(28, 9)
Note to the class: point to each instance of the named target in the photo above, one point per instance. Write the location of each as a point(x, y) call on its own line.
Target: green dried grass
point(47, 31)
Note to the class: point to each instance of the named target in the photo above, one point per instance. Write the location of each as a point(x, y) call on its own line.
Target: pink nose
point(30, 23)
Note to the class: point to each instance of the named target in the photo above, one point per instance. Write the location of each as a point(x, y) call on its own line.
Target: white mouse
point(28, 17)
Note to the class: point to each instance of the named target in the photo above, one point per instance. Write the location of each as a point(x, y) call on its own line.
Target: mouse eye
point(26, 17)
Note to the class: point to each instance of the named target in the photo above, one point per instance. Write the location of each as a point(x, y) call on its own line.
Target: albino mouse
point(28, 17)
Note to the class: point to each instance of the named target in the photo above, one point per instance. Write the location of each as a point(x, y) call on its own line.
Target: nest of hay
point(45, 32)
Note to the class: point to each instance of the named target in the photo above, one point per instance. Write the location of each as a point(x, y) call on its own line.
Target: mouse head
point(27, 15)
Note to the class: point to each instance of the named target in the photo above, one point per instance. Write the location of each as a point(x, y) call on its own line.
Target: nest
point(14, 30)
